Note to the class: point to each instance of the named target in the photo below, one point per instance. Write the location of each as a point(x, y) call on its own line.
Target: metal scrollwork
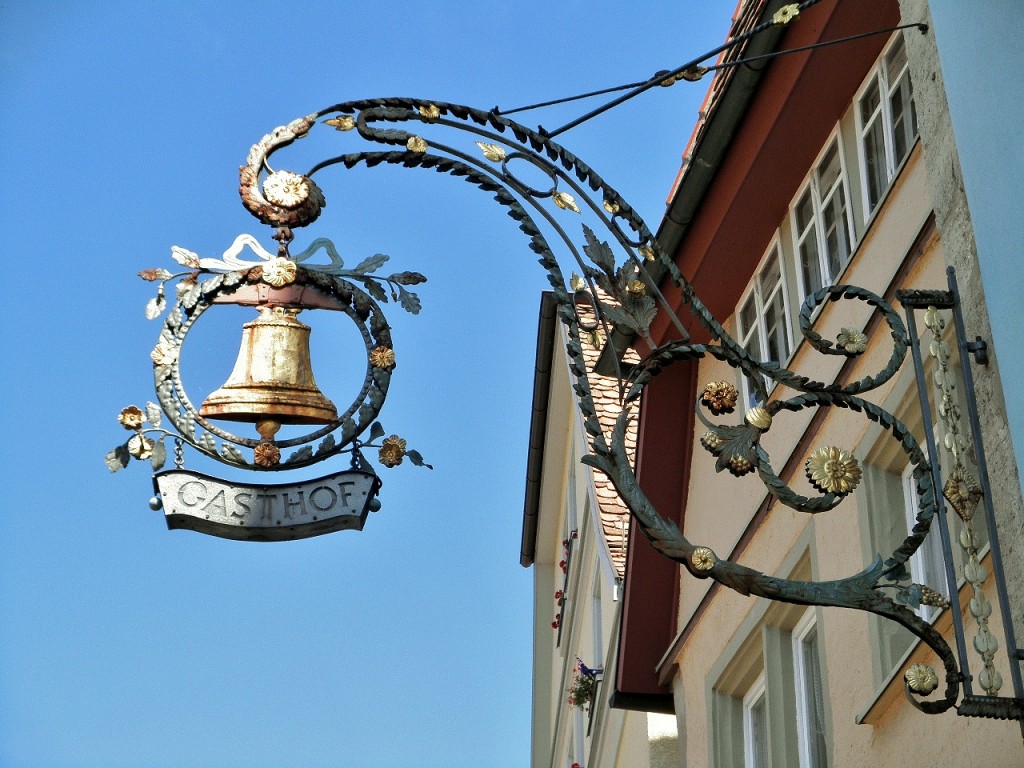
point(615, 280)
point(614, 277)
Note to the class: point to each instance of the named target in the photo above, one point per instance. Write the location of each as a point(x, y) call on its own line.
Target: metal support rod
point(990, 519)
point(940, 504)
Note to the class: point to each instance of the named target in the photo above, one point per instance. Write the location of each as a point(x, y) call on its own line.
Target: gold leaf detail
point(703, 559)
point(140, 447)
point(692, 74)
point(430, 111)
point(286, 189)
point(636, 289)
point(279, 271)
point(343, 123)
point(131, 417)
point(611, 206)
point(391, 451)
point(267, 454)
point(852, 341)
point(647, 252)
point(576, 282)
point(711, 441)
point(739, 465)
point(382, 357)
point(416, 144)
point(934, 321)
point(833, 470)
point(720, 397)
point(962, 492)
point(930, 597)
point(492, 152)
point(921, 678)
point(786, 14)
point(565, 201)
point(759, 418)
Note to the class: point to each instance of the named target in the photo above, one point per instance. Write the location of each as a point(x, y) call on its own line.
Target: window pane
point(904, 118)
point(837, 237)
point(927, 563)
point(756, 733)
point(874, 162)
point(813, 723)
point(804, 213)
point(829, 170)
point(755, 349)
point(776, 328)
point(896, 60)
point(748, 320)
point(870, 102)
point(769, 277)
point(810, 269)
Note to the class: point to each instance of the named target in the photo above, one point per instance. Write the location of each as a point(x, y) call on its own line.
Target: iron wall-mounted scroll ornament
point(613, 278)
point(615, 282)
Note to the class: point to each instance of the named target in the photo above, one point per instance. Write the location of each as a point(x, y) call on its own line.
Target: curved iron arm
point(614, 278)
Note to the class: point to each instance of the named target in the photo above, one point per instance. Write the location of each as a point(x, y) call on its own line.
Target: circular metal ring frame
point(346, 297)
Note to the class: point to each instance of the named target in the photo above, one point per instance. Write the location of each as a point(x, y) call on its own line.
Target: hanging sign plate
point(265, 512)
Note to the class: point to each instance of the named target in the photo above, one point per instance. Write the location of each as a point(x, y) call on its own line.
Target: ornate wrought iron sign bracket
point(612, 251)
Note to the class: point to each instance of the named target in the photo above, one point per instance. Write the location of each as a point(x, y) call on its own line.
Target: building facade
point(575, 530)
point(832, 164)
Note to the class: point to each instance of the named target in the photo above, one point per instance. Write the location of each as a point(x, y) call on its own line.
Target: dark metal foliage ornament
point(617, 285)
point(285, 278)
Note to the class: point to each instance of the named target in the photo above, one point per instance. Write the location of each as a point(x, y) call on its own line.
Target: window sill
point(892, 689)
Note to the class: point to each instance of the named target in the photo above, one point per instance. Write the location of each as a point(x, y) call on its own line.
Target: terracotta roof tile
point(615, 517)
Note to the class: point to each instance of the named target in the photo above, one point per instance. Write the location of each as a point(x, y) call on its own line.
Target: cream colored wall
point(616, 738)
point(720, 507)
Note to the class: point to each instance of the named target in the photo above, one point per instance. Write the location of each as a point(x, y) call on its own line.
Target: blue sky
point(123, 124)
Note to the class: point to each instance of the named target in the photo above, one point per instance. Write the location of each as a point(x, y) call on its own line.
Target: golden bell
point(272, 381)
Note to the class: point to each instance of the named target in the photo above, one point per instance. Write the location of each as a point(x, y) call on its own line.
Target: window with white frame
point(887, 121)
point(822, 226)
point(810, 698)
point(775, 674)
point(890, 504)
point(755, 726)
point(927, 566)
point(763, 323)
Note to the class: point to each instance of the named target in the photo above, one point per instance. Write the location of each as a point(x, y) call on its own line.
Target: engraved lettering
point(289, 505)
point(344, 487)
point(319, 493)
point(267, 509)
point(218, 505)
point(192, 498)
point(242, 500)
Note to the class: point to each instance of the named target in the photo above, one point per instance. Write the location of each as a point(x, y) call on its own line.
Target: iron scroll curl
point(615, 277)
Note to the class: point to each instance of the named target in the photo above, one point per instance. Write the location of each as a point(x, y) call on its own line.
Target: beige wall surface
point(834, 544)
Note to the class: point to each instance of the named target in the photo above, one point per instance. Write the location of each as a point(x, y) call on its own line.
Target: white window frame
point(821, 200)
point(578, 738)
point(762, 306)
point(801, 672)
point(756, 695)
point(887, 87)
point(927, 565)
